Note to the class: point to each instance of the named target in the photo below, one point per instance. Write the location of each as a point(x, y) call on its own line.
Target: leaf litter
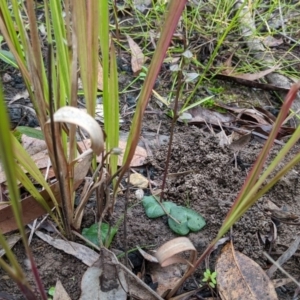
point(207, 182)
point(182, 183)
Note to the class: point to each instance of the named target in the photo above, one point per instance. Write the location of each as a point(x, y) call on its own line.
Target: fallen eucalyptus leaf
point(239, 277)
point(60, 293)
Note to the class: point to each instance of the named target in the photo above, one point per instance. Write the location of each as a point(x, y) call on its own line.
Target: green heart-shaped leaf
point(153, 209)
point(91, 233)
point(177, 213)
point(188, 218)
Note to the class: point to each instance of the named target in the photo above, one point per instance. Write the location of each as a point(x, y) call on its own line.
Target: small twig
point(115, 10)
point(125, 220)
point(157, 134)
point(85, 240)
point(275, 263)
point(175, 118)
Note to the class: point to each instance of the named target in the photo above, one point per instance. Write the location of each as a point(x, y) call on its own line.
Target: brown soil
point(210, 190)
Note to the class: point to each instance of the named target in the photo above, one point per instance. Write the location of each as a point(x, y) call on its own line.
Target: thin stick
point(125, 220)
point(175, 118)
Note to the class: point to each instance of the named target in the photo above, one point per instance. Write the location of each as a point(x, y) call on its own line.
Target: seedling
point(210, 278)
point(216, 90)
point(51, 292)
point(210, 103)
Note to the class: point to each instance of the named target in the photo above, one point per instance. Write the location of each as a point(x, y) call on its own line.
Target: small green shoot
point(51, 292)
point(210, 103)
point(181, 219)
point(210, 278)
point(143, 73)
point(216, 90)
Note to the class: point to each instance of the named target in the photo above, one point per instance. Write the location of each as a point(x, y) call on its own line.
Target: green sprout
point(210, 103)
point(217, 90)
point(51, 292)
point(210, 278)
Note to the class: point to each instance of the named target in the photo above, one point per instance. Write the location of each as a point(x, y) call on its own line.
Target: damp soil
point(203, 178)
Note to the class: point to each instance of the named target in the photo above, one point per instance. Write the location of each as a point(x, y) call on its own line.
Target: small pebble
point(139, 194)
point(6, 78)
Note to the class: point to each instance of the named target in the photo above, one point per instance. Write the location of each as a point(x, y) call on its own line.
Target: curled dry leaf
point(239, 277)
point(73, 115)
point(255, 76)
point(167, 253)
point(138, 159)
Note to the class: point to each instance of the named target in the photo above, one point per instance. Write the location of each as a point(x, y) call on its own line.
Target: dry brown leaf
point(60, 293)
point(255, 76)
point(21, 95)
point(167, 253)
point(147, 256)
point(73, 115)
point(104, 280)
point(83, 253)
point(31, 209)
point(241, 143)
point(166, 277)
point(229, 71)
point(239, 277)
point(108, 279)
point(137, 56)
point(138, 180)
point(138, 159)
point(259, 116)
point(32, 145)
point(41, 159)
point(202, 115)
point(11, 241)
